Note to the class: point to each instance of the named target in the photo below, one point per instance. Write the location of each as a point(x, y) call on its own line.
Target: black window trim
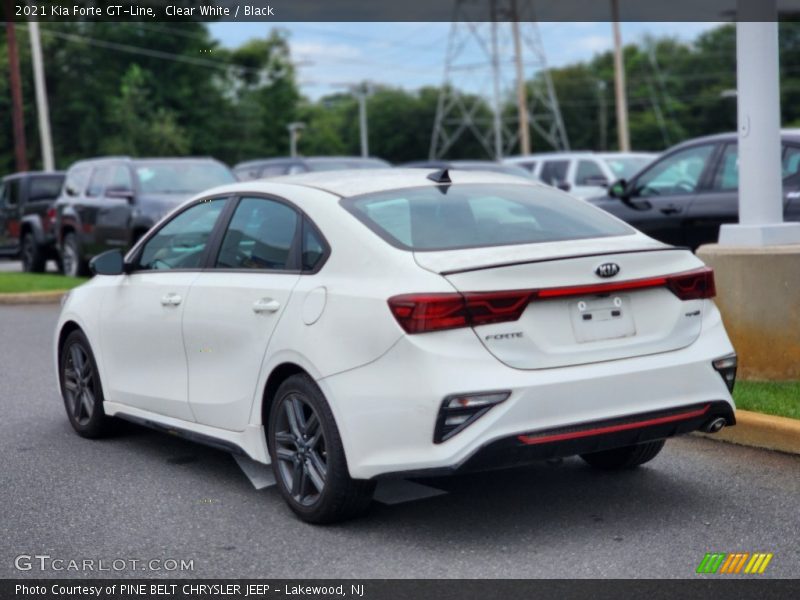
point(214, 244)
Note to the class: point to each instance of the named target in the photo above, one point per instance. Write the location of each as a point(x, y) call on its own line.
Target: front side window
point(791, 161)
point(182, 241)
point(98, 181)
point(589, 173)
point(677, 174)
point(260, 236)
point(77, 179)
point(120, 179)
point(554, 171)
point(727, 175)
point(12, 192)
point(479, 215)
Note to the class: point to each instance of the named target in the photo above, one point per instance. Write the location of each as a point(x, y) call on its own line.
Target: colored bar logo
point(741, 562)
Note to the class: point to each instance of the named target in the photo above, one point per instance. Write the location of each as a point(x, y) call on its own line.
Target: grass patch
point(21, 283)
point(779, 398)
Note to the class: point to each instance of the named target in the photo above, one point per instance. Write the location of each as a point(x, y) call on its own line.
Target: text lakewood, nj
point(135, 11)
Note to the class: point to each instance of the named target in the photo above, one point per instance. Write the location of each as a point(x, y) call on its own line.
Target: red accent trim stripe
point(615, 286)
point(558, 437)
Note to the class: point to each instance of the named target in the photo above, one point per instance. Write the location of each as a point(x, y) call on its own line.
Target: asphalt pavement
point(145, 495)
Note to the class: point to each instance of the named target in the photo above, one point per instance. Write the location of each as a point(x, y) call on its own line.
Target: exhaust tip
point(714, 425)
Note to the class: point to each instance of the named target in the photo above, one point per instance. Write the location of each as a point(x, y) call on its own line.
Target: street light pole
point(42, 108)
point(361, 94)
point(294, 133)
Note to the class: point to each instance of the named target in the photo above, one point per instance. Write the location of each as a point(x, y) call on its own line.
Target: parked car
point(111, 202)
point(582, 174)
point(275, 167)
point(471, 165)
point(26, 217)
point(346, 327)
point(691, 190)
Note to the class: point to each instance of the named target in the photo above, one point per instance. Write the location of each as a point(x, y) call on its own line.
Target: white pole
point(498, 108)
point(759, 113)
point(362, 120)
point(41, 97)
point(624, 138)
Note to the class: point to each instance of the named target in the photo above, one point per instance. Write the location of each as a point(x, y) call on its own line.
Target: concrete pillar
point(760, 181)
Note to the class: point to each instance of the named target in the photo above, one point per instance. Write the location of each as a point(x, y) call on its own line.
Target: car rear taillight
point(50, 218)
point(420, 313)
point(693, 285)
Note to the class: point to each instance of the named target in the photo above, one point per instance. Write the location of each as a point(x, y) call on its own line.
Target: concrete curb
point(761, 431)
point(33, 298)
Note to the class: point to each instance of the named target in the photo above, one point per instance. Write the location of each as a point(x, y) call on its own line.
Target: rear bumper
point(583, 438)
point(387, 410)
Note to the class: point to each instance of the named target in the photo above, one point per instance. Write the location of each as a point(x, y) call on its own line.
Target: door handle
point(266, 305)
point(171, 299)
point(670, 210)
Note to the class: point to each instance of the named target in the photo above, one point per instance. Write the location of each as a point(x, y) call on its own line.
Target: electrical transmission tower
point(487, 61)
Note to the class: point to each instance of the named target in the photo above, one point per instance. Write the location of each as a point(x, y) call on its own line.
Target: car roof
point(575, 154)
point(786, 134)
point(22, 174)
point(304, 159)
point(102, 159)
point(355, 182)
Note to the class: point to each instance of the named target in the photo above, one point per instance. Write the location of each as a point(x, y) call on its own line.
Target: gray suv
point(111, 202)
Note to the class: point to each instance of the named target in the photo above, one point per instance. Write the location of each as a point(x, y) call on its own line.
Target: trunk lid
point(570, 324)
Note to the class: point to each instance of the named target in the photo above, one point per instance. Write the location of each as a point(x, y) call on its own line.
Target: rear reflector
point(419, 313)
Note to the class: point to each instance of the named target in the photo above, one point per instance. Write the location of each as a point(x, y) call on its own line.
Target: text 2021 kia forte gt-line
point(346, 327)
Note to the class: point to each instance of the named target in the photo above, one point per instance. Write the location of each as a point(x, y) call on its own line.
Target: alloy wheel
point(79, 384)
point(28, 250)
point(70, 261)
point(300, 449)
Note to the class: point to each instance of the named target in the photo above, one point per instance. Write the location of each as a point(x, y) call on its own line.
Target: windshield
point(181, 177)
point(627, 167)
point(479, 215)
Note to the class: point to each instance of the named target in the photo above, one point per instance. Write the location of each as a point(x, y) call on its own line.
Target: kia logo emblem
point(607, 270)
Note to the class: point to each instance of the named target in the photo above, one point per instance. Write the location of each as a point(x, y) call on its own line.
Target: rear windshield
point(480, 215)
point(45, 188)
point(181, 177)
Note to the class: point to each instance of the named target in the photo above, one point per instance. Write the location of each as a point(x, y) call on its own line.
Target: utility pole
point(619, 83)
point(361, 93)
point(42, 108)
point(20, 151)
point(294, 133)
point(602, 117)
point(522, 95)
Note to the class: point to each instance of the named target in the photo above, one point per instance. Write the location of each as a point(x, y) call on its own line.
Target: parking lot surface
point(145, 495)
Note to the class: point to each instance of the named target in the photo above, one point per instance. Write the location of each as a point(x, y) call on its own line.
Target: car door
point(658, 200)
point(141, 331)
point(234, 306)
point(791, 182)
point(112, 229)
point(718, 203)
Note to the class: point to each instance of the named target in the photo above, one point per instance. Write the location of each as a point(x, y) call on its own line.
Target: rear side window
point(479, 215)
point(589, 173)
point(260, 236)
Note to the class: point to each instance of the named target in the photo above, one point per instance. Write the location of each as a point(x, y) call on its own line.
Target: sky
point(329, 56)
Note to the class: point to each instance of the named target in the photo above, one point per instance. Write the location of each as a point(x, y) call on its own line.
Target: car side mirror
point(108, 263)
point(564, 186)
point(618, 189)
point(121, 193)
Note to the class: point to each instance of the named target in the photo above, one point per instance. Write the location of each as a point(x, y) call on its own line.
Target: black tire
point(626, 457)
point(81, 388)
point(299, 455)
point(33, 258)
point(73, 263)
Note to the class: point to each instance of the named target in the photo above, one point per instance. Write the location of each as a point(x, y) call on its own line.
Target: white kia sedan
point(350, 326)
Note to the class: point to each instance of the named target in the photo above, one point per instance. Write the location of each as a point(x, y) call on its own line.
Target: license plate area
point(597, 318)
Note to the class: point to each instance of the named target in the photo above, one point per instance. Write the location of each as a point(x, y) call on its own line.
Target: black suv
point(111, 202)
point(685, 195)
point(26, 217)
